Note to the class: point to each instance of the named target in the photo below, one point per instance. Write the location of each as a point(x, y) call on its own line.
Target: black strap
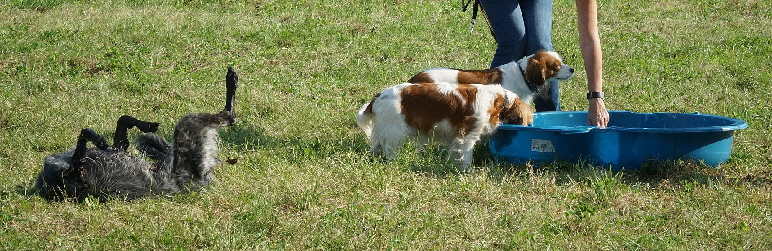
point(466, 5)
point(592, 95)
point(475, 8)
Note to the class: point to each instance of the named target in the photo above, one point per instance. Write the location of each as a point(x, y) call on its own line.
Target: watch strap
point(592, 95)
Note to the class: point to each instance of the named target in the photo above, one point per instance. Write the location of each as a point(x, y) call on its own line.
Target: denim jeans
point(522, 28)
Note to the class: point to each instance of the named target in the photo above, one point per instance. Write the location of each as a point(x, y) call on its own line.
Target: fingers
point(598, 120)
point(597, 115)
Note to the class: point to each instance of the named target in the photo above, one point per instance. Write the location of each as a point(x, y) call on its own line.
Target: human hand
point(597, 115)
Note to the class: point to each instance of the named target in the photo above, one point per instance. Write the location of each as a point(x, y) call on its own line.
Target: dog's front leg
point(81, 147)
point(126, 122)
point(466, 149)
point(421, 142)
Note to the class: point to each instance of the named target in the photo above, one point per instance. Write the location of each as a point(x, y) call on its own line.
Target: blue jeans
point(522, 28)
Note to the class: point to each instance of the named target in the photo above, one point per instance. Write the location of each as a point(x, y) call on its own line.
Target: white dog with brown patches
point(525, 77)
point(454, 115)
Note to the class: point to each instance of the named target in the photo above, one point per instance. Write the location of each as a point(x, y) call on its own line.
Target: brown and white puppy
point(526, 77)
point(454, 115)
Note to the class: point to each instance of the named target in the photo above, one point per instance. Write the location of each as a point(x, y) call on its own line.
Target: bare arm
point(589, 42)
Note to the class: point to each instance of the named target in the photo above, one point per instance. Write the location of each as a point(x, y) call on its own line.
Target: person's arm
point(589, 42)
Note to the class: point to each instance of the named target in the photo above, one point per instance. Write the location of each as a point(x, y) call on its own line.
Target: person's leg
point(537, 18)
point(506, 20)
point(544, 104)
point(537, 21)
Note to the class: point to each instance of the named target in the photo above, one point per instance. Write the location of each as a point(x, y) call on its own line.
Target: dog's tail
point(365, 118)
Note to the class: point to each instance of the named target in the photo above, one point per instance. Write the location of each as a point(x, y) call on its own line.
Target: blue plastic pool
point(630, 139)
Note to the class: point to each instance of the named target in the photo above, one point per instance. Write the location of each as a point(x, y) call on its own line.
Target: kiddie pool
point(630, 139)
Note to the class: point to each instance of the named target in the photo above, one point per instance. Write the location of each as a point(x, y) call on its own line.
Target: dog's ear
point(517, 112)
point(535, 71)
point(552, 66)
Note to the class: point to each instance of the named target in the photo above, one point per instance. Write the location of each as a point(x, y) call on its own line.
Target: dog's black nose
point(571, 70)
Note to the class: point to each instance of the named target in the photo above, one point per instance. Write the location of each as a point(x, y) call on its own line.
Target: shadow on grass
point(24, 190)
point(672, 174)
point(668, 172)
point(297, 148)
point(432, 162)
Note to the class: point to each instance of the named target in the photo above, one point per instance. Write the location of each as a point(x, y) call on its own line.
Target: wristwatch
point(592, 95)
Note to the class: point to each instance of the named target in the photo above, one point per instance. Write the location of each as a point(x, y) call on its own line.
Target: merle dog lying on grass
point(110, 172)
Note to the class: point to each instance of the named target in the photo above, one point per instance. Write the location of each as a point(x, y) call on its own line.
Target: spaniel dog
point(526, 77)
point(456, 115)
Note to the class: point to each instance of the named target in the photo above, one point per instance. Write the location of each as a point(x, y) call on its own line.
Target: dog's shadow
point(297, 149)
point(25, 190)
point(240, 136)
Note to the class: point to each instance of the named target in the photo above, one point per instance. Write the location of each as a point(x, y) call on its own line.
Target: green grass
point(304, 180)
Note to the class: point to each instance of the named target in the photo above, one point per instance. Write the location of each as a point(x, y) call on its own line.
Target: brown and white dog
point(526, 77)
point(454, 115)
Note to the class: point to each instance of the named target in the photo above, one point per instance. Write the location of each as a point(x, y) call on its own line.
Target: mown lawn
point(304, 179)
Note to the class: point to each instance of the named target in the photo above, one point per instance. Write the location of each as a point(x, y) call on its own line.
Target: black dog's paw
point(147, 127)
point(152, 127)
point(231, 79)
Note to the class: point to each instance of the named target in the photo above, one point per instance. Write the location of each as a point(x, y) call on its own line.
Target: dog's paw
point(148, 127)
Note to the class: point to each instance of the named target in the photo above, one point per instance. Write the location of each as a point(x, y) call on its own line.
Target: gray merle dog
point(110, 172)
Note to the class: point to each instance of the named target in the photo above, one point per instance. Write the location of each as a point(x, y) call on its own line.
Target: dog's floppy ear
point(516, 111)
point(535, 71)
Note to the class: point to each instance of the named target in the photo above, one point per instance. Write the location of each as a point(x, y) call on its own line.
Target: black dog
point(110, 172)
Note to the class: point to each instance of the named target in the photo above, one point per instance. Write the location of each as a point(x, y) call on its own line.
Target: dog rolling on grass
point(454, 115)
point(109, 172)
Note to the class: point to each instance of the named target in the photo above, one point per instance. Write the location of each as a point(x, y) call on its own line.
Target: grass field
point(304, 180)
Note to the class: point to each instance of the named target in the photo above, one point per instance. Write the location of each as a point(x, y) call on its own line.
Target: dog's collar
point(530, 85)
